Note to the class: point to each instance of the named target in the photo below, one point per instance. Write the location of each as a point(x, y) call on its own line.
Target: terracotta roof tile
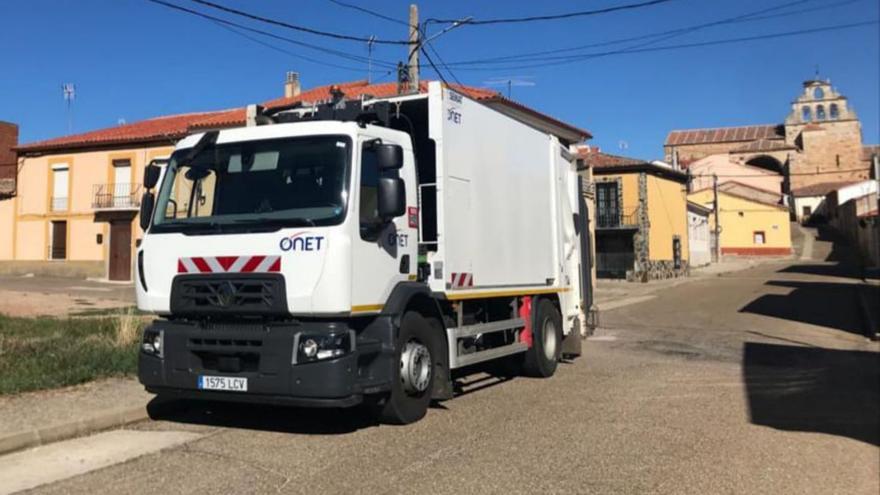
point(171, 127)
point(723, 134)
point(600, 160)
point(763, 145)
point(174, 127)
point(820, 189)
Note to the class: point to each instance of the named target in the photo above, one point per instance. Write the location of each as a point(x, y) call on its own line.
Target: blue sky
point(131, 59)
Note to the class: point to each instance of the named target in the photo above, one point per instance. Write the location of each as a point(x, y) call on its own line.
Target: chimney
point(291, 85)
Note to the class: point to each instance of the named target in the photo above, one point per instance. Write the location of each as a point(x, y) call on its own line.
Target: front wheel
point(413, 377)
point(542, 358)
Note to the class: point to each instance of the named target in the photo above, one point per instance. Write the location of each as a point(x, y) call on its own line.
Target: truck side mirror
point(390, 156)
point(391, 200)
point(151, 176)
point(148, 202)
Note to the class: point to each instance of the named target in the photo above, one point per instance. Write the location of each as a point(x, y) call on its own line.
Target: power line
point(268, 34)
point(790, 174)
point(431, 63)
point(567, 15)
point(282, 50)
point(624, 51)
point(295, 27)
point(747, 17)
point(369, 12)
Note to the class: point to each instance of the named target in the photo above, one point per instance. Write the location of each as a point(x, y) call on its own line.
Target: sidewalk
point(38, 418)
point(613, 294)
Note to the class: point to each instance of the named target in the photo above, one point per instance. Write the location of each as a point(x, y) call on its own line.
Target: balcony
point(116, 196)
point(59, 203)
point(627, 218)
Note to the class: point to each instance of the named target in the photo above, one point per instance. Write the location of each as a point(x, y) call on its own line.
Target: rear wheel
point(542, 358)
point(413, 377)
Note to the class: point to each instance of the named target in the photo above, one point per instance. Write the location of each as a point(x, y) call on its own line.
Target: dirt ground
point(38, 296)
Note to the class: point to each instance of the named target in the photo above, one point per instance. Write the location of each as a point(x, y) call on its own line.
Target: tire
point(541, 359)
point(413, 376)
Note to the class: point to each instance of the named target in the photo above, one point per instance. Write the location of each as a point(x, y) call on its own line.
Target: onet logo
point(303, 241)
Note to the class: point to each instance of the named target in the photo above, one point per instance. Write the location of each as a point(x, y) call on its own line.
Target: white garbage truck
point(362, 251)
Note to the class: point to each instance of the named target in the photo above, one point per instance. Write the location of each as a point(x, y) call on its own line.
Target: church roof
point(724, 134)
point(763, 145)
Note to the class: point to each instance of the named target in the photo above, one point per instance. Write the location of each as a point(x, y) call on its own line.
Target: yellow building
point(750, 225)
point(74, 212)
point(641, 218)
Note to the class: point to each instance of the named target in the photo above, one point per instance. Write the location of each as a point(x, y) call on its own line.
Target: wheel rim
point(415, 367)
point(549, 334)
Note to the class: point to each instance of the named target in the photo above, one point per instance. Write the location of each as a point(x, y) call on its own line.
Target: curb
point(106, 420)
point(872, 326)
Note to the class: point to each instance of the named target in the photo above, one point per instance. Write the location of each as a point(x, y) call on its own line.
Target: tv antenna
point(622, 145)
point(510, 82)
point(370, 43)
point(69, 91)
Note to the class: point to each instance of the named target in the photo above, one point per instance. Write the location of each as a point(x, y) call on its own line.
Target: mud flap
point(571, 343)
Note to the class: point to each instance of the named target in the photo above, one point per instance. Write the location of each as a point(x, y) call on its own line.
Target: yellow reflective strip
point(503, 293)
point(367, 307)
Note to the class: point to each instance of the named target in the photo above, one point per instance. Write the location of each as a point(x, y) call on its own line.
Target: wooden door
point(120, 250)
point(59, 240)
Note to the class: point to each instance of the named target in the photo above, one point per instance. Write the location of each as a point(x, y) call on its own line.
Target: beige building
point(75, 210)
point(819, 142)
point(77, 199)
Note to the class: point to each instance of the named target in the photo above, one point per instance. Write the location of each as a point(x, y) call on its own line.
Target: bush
point(41, 353)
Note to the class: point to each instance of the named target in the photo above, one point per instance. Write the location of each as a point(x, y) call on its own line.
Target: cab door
point(384, 253)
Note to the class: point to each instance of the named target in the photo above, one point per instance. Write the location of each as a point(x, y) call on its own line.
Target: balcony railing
point(116, 196)
point(59, 203)
point(617, 219)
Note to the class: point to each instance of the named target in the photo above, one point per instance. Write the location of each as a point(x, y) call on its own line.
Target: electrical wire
point(553, 17)
point(368, 12)
point(747, 17)
point(268, 34)
point(295, 27)
point(626, 51)
point(282, 50)
point(431, 62)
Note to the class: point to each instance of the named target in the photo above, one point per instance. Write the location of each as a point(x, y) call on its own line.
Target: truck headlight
point(153, 342)
point(319, 346)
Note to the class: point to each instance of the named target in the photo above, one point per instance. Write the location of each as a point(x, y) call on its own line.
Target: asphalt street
point(750, 382)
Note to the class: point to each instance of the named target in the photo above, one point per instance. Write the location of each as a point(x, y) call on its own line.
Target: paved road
point(752, 382)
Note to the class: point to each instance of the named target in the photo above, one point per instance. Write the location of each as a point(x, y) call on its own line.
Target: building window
point(806, 114)
point(607, 208)
point(820, 112)
point(807, 211)
point(818, 93)
point(58, 245)
point(833, 111)
point(60, 178)
point(758, 237)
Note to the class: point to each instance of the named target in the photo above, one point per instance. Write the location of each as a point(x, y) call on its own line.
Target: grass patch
point(42, 353)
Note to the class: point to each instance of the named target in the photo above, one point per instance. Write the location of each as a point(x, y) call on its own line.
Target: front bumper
point(263, 353)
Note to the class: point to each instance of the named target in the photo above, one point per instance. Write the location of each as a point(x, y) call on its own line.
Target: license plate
point(225, 383)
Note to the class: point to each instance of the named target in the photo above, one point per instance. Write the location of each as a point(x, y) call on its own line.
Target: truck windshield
point(255, 185)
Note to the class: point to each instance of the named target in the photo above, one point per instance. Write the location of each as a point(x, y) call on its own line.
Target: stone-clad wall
point(644, 268)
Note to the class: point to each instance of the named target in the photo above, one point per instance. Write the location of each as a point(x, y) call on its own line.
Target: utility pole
point(414, 46)
point(717, 218)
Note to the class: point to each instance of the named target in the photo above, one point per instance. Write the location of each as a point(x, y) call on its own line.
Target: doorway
point(58, 246)
point(120, 250)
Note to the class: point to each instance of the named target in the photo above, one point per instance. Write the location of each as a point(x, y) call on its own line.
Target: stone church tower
point(828, 136)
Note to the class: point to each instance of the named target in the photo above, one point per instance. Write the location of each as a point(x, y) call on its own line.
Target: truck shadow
point(826, 304)
point(307, 421)
point(810, 389)
point(279, 419)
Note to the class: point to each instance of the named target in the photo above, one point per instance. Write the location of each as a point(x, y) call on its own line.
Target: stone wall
point(831, 152)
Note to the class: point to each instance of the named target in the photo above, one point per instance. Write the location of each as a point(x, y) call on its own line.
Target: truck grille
point(228, 294)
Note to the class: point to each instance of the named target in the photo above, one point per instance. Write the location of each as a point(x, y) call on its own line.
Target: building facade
point(641, 218)
point(74, 211)
point(820, 141)
point(748, 225)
